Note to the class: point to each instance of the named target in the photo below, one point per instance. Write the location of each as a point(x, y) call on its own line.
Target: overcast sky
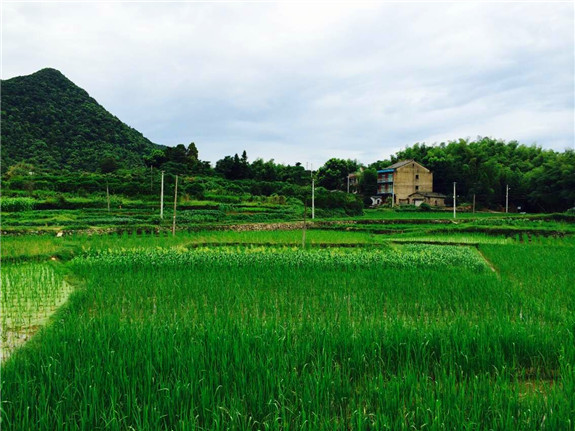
point(309, 81)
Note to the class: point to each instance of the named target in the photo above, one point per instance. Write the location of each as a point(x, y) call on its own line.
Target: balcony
point(384, 189)
point(384, 179)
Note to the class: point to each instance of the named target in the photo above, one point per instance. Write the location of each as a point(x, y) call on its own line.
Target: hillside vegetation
point(52, 123)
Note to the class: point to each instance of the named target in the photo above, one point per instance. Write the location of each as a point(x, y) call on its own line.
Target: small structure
point(430, 198)
point(407, 182)
point(353, 183)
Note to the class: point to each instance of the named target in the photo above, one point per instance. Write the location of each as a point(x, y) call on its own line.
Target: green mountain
point(52, 123)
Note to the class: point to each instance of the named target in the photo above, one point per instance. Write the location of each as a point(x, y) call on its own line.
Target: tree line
point(539, 180)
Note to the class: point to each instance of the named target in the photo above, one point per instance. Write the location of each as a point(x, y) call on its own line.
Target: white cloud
point(299, 82)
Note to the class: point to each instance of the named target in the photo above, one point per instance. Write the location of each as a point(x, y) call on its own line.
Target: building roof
point(434, 195)
point(428, 195)
point(400, 164)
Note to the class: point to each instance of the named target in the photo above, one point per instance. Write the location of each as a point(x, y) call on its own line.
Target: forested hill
point(53, 124)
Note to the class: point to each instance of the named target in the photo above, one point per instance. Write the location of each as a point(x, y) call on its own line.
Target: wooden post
point(175, 204)
point(108, 194)
point(454, 200)
point(473, 203)
point(312, 196)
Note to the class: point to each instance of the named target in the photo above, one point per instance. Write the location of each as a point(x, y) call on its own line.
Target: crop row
point(406, 256)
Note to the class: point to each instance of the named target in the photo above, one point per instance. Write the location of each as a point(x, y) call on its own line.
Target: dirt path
point(489, 263)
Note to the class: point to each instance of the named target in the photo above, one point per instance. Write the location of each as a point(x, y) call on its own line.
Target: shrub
point(351, 204)
point(17, 204)
point(424, 207)
point(405, 208)
point(194, 189)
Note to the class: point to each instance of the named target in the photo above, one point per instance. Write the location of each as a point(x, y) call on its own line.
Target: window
point(417, 177)
point(416, 187)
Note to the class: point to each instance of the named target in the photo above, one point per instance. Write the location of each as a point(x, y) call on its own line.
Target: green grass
point(39, 247)
point(387, 337)
point(24, 215)
point(386, 214)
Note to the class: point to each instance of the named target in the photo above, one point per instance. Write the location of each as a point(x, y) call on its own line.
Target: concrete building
point(430, 198)
point(406, 182)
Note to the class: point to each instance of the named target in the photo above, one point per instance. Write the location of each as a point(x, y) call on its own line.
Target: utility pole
point(151, 178)
point(312, 194)
point(312, 197)
point(473, 203)
point(175, 204)
point(304, 224)
point(347, 183)
point(162, 197)
point(454, 200)
point(507, 198)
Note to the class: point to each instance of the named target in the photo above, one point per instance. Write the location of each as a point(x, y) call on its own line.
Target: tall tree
point(333, 174)
point(192, 153)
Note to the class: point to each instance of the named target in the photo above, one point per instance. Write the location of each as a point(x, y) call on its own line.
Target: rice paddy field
point(252, 331)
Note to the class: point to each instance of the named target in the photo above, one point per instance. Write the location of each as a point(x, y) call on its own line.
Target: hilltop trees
point(333, 174)
point(238, 168)
point(552, 185)
point(234, 168)
point(50, 122)
point(178, 160)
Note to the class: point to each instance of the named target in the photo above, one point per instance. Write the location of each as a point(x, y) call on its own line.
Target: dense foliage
point(538, 179)
point(333, 174)
point(50, 122)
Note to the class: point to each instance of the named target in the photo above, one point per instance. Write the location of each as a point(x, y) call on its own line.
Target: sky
point(307, 81)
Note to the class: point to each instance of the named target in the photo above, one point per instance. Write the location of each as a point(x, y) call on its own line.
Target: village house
point(353, 183)
point(406, 183)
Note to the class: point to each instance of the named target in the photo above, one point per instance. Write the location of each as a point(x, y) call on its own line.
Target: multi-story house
point(406, 182)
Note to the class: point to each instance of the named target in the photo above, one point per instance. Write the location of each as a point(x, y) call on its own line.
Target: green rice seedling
point(390, 337)
point(30, 293)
